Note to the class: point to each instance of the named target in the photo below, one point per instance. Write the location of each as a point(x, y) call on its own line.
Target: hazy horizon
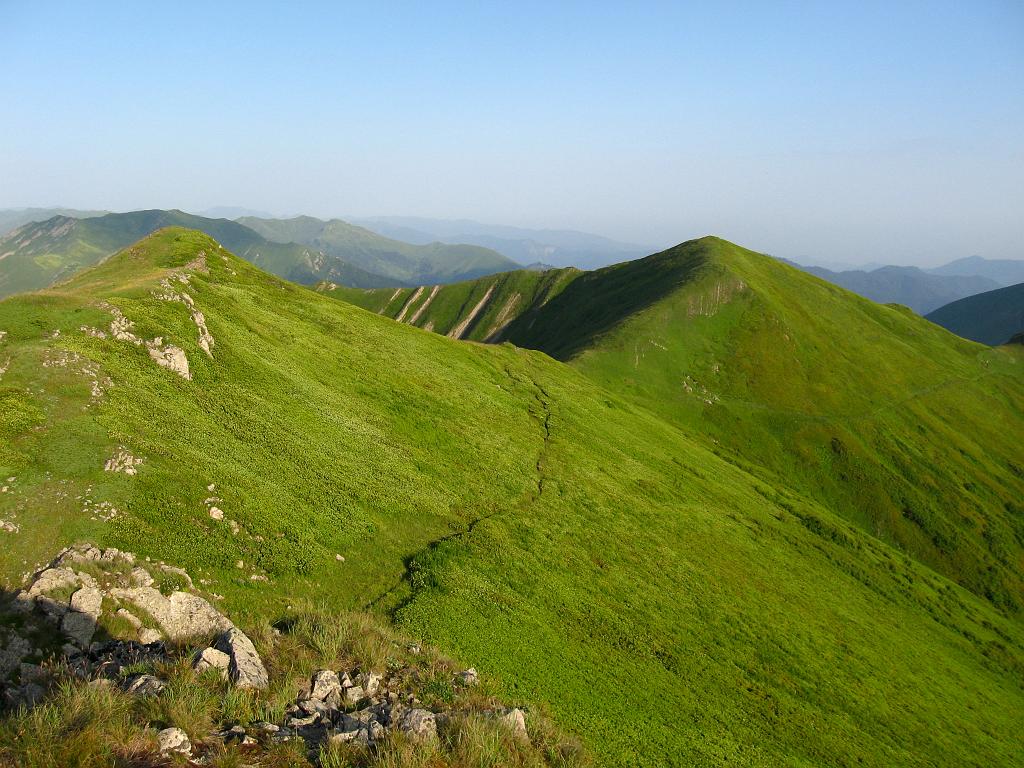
point(836, 134)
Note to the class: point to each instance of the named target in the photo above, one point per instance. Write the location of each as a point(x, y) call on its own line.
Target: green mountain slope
point(905, 431)
point(992, 317)
point(38, 254)
point(402, 262)
point(663, 603)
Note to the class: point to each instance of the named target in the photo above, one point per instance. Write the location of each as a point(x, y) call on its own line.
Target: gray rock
point(354, 695)
point(139, 577)
point(246, 668)
point(418, 723)
point(371, 683)
point(144, 685)
point(326, 687)
point(15, 648)
point(79, 623)
point(468, 677)
point(516, 721)
point(180, 615)
point(148, 635)
point(129, 617)
point(211, 658)
point(174, 741)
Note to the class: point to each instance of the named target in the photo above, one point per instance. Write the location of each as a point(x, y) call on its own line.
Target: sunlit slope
point(903, 429)
point(476, 310)
point(906, 430)
point(666, 605)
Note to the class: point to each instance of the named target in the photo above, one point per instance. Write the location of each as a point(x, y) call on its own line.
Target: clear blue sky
point(843, 131)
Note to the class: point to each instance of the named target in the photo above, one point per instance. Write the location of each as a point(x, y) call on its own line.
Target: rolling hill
point(599, 558)
point(993, 317)
point(769, 362)
point(912, 287)
point(403, 263)
point(38, 254)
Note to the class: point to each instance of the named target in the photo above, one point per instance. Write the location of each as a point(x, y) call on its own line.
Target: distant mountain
point(910, 286)
point(1003, 271)
point(993, 317)
point(558, 247)
point(232, 212)
point(40, 253)
point(402, 262)
point(13, 218)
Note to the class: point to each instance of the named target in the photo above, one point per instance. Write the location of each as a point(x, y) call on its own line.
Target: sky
point(833, 132)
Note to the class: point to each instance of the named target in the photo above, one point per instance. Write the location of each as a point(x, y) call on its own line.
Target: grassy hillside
point(992, 317)
point(402, 262)
point(38, 254)
point(904, 430)
point(476, 310)
point(915, 288)
point(663, 603)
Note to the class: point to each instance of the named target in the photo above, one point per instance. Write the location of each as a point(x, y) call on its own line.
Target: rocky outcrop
point(245, 667)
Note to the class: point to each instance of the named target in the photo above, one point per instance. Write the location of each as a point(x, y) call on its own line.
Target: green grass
point(906, 431)
point(594, 552)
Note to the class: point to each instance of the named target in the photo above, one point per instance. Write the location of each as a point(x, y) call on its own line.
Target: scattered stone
point(468, 677)
point(174, 741)
point(130, 617)
point(122, 461)
point(216, 513)
point(169, 356)
point(339, 558)
point(139, 577)
point(246, 668)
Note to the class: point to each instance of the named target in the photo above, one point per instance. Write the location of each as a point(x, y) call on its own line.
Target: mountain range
point(556, 247)
point(37, 254)
point(922, 291)
point(706, 508)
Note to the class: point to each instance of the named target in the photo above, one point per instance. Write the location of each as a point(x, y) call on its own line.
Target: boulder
point(468, 677)
point(79, 622)
point(246, 668)
point(180, 615)
point(144, 685)
point(371, 683)
point(354, 695)
point(515, 719)
point(174, 741)
point(211, 658)
point(326, 687)
point(148, 635)
point(420, 724)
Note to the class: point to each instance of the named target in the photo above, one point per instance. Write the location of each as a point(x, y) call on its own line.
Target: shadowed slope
point(989, 318)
